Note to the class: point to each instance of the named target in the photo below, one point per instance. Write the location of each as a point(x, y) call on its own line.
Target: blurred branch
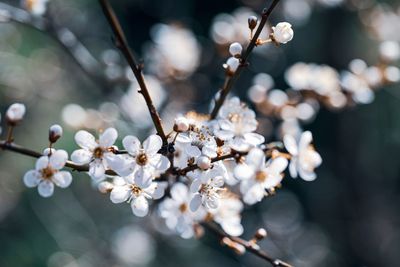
point(232, 79)
point(122, 44)
point(64, 37)
point(249, 246)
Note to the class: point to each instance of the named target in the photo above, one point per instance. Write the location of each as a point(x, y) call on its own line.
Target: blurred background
point(64, 67)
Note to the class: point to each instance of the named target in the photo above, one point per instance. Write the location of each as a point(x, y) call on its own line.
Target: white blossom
point(235, 49)
point(142, 161)
point(130, 191)
point(237, 124)
point(304, 157)
point(282, 32)
point(94, 152)
point(15, 112)
point(228, 215)
point(176, 211)
point(47, 173)
point(256, 175)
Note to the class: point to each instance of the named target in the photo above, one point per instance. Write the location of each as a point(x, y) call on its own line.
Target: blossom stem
point(247, 244)
point(253, 43)
point(123, 46)
point(10, 133)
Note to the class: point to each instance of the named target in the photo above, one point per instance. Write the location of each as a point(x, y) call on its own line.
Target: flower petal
point(42, 163)
point(46, 188)
point(254, 139)
point(62, 179)
point(131, 144)
point(290, 144)
point(232, 228)
point(159, 163)
point(157, 190)
point(119, 194)
point(195, 203)
point(256, 158)
point(192, 151)
point(278, 165)
point(140, 206)
point(58, 159)
point(32, 178)
point(81, 156)
point(305, 140)
point(97, 170)
point(179, 192)
point(143, 177)
point(152, 144)
point(195, 186)
point(243, 172)
point(108, 137)
point(85, 140)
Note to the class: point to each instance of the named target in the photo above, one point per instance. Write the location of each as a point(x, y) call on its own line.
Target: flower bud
point(260, 234)
point(55, 132)
point(282, 32)
point(15, 113)
point(181, 124)
point(235, 49)
point(204, 162)
point(105, 187)
point(232, 65)
point(252, 20)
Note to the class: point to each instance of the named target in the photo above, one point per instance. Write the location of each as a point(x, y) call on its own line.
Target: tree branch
point(244, 58)
point(250, 247)
point(123, 46)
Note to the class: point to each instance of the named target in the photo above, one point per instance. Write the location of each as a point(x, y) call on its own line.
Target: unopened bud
point(105, 187)
point(15, 113)
point(198, 231)
point(181, 124)
point(204, 162)
point(232, 64)
point(260, 234)
point(235, 49)
point(252, 20)
point(55, 132)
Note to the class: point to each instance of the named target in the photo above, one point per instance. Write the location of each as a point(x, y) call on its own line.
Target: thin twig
point(232, 79)
point(122, 44)
point(248, 245)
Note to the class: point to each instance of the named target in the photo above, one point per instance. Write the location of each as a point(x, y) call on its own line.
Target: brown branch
point(244, 58)
point(250, 247)
point(31, 153)
point(123, 46)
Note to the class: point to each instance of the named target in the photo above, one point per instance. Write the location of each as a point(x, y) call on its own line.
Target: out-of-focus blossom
point(282, 32)
point(36, 7)
point(228, 215)
point(15, 113)
point(390, 50)
point(48, 173)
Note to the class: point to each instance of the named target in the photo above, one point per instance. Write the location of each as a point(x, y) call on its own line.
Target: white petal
point(224, 134)
point(179, 192)
point(143, 177)
point(32, 178)
point(131, 144)
point(85, 139)
point(157, 190)
point(252, 192)
point(195, 186)
point(46, 188)
point(233, 229)
point(119, 194)
point(293, 168)
point(243, 172)
point(97, 170)
point(254, 139)
point(209, 151)
point(159, 162)
point(42, 162)
point(305, 140)
point(58, 159)
point(239, 144)
point(192, 151)
point(226, 125)
point(307, 175)
point(122, 165)
point(212, 203)
point(278, 165)
point(256, 158)
point(81, 156)
point(272, 181)
point(108, 137)
point(217, 181)
point(62, 179)
point(195, 203)
point(290, 144)
point(140, 206)
point(152, 144)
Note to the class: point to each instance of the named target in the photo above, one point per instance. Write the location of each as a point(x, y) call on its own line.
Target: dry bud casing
point(55, 132)
point(252, 20)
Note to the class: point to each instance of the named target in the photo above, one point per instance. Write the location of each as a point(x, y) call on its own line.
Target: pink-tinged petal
point(278, 165)
point(46, 188)
point(254, 139)
point(32, 178)
point(160, 163)
point(195, 203)
point(81, 156)
point(152, 144)
point(195, 186)
point(305, 140)
point(140, 206)
point(58, 159)
point(256, 158)
point(97, 170)
point(290, 144)
point(85, 140)
point(62, 179)
point(179, 192)
point(143, 177)
point(243, 172)
point(108, 137)
point(131, 144)
point(42, 162)
point(120, 194)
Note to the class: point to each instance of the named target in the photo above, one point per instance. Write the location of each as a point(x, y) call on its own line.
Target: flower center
point(98, 152)
point(234, 117)
point(261, 176)
point(136, 191)
point(183, 208)
point(47, 173)
point(141, 159)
